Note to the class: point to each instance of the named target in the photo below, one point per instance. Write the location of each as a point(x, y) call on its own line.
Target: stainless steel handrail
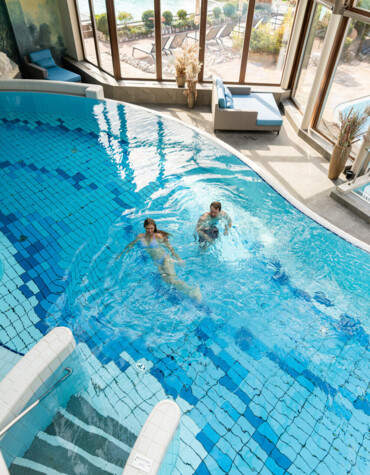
point(29, 408)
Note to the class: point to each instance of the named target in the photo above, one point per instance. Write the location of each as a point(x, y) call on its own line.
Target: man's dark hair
point(216, 204)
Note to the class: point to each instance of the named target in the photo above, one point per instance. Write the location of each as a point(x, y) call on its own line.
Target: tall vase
point(191, 99)
point(180, 80)
point(338, 160)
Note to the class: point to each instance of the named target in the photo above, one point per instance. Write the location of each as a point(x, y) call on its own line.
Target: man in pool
point(209, 223)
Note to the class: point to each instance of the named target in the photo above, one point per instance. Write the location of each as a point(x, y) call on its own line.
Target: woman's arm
point(174, 254)
point(128, 247)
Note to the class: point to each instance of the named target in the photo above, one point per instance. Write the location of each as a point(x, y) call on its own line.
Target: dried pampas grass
point(187, 63)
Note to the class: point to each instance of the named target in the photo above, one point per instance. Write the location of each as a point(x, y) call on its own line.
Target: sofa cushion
point(220, 93)
point(265, 105)
point(229, 99)
point(219, 82)
point(43, 56)
point(60, 74)
point(46, 63)
point(221, 97)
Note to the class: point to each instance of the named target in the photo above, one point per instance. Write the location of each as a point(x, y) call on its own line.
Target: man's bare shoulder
point(204, 216)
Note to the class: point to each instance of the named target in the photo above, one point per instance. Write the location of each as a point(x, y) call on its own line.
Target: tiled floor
point(289, 159)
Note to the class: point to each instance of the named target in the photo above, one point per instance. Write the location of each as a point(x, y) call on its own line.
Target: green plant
point(348, 53)
point(148, 19)
point(365, 4)
point(134, 31)
point(102, 24)
point(229, 9)
point(237, 39)
point(181, 23)
point(191, 20)
point(217, 12)
point(124, 32)
point(182, 14)
point(263, 7)
point(140, 30)
point(263, 41)
point(124, 17)
point(168, 17)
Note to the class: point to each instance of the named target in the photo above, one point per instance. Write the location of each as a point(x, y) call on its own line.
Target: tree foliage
point(264, 41)
point(217, 12)
point(229, 9)
point(168, 17)
point(124, 17)
point(148, 19)
point(182, 14)
point(102, 24)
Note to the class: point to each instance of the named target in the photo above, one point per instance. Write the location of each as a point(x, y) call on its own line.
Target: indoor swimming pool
point(270, 370)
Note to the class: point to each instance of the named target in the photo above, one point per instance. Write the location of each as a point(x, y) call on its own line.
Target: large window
point(180, 25)
point(362, 4)
point(136, 38)
point(350, 85)
point(224, 40)
point(102, 34)
point(225, 30)
point(272, 24)
point(241, 42)
point(95, 33)
point(310, 58)
point(87, 25)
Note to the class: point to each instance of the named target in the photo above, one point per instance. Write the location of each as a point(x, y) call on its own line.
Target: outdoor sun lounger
point(211, 34)
point(176, 41)
point(227, 30)
point(150, 49)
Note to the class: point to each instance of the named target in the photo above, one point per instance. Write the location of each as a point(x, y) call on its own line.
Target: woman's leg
point(168, 274)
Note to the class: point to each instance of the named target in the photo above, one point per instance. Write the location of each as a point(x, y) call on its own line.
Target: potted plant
point(350, 130)
point(192, 70)
point(187, 68)
point(180, 66)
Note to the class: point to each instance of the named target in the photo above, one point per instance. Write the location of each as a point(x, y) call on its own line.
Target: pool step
point(79, 440)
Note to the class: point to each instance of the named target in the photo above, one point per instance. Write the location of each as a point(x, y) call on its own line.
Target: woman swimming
point(157, 245)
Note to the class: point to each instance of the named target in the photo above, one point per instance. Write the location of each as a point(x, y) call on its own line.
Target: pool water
point(270, 370)
point(363, 192)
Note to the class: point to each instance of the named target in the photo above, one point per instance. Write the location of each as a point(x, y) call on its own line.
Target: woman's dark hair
point(151, 221)
point(216, 204)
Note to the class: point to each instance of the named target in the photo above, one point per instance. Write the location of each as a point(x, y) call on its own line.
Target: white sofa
point(250, 110)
